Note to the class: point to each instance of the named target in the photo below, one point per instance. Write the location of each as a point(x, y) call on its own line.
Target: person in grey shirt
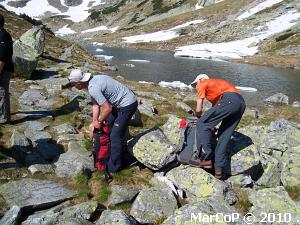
point(114, 103)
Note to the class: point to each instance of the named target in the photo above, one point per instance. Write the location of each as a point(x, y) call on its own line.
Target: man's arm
point(1, 66)
point(199, 107)
point(98, 118)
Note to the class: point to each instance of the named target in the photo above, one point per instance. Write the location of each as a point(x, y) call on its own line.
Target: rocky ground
point(47, 174)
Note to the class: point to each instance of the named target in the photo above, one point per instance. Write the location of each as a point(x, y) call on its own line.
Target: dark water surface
point(163, 66)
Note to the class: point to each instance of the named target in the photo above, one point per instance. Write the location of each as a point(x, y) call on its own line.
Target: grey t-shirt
point(103, 88)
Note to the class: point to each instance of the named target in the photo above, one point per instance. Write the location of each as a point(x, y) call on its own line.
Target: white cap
point(199, 77)
point(77, 75)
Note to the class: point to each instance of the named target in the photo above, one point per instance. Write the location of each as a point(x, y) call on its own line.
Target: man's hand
point(97, 124)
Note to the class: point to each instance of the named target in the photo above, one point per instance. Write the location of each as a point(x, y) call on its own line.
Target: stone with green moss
point(154, 150)
point(291, 168)
point(200, 185)
point(271, 172)
point(201, 213)
point(273, 200)
point(171, 129)
point(114, 217)
point(153, 203)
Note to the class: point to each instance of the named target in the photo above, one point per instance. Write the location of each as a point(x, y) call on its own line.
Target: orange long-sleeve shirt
point(212, 89)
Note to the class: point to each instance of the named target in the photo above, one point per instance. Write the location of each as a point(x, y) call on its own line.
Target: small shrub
point(30, 20)
point(160, 220)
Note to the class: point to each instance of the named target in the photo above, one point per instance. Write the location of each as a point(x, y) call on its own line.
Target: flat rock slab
point(122, 194)
point(35, 193)
point(12, 216)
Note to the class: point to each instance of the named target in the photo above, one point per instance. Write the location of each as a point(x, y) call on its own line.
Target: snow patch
point(145, 82)
point(258, 8)
point(139, 60)
point(106, 57)
point(64, 31)
point(175, 84)
point(163, 35)
point(239, 48)
point(248, 89)
point(97, 43)
point(99, 29)
point(99, 50)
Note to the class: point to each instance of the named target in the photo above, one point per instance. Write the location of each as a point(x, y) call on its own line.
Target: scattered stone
point(31, 97)
point(296, 104)
point(37, 136)
point(145, 107)
point(114, 217)
point(122, 194)
point(153, 95)
point(32, 126)
point(153, 149)
point(11, 217)
point(74, 162)
point(34, 193)
point(252, 113)
point(82, 211)
point(184, 107)
point(241, 180)
point(19, 142)
point(278, 98)
point(41, 168)
point(162, 182)
point(64, 129)
point(152, 204)
point(64, 139)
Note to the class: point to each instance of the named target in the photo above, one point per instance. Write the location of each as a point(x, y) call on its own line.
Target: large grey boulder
point(82, 211)
point(11, 217)
point(114, 217)
point(32, 126)
point(27, 51)
point(31, 97)
point(153, 149)
point(278, 98)
point(35, 193)
point(53, 85)
point(74, 162)
point(273, 200)
point(200, 185)
point(152, 204)
point(122, 194)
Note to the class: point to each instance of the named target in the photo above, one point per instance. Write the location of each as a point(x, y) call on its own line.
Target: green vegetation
point(131, 176)
point(100, 188)
point(159, 8)
point(126, 207)
point(88, 144)
point(35, 22)
point(243, 204)
point(142, 3)
point(96, 15)
point(160, 220)
point(83, 188)
point(294, 192)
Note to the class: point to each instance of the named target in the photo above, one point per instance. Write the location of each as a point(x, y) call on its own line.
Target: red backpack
point(101, 146)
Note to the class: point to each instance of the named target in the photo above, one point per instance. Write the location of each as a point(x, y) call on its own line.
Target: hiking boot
point(206, 164)
point(219, 174)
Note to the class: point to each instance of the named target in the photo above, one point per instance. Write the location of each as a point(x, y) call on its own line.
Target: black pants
point(118, 121)
point(229, 110)
point(4, 98)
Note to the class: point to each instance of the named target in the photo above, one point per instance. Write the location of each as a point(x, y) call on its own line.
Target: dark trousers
point(229, 111)
point(4, 98)
point(118, 121)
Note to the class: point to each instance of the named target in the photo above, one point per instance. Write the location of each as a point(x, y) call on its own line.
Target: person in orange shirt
point(228, 107)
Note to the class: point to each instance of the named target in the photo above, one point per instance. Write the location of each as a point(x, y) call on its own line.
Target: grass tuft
point(294, 193)
point(101, 188)
point(243, 204)
point(160, 220)
point(83, 187)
